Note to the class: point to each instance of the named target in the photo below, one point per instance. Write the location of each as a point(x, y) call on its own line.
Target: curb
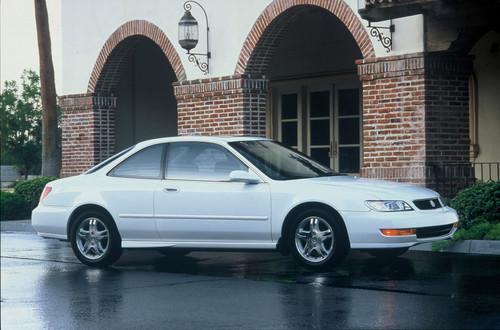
point(468, 247)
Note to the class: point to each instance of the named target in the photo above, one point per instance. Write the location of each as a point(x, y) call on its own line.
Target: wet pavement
point(44, 286)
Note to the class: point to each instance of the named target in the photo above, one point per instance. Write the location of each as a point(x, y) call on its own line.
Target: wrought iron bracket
point(385, 40)
point(193, 57)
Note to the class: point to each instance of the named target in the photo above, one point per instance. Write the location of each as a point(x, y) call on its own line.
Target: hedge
point(478, 208)
point(477, 204)
point(31, 190)
point(13, 206)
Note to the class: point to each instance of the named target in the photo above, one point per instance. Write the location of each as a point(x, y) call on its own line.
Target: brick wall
point(232, 105)
point(393, 118)
point(263, 39)
point(415, 115)
point(447, 108)
point(87, 131)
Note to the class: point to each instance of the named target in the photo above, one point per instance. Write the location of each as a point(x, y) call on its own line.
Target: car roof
point(200, 138)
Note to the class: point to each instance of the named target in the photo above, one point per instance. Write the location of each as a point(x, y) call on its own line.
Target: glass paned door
point(320, 126)
point(348, 128)
point(289, 119)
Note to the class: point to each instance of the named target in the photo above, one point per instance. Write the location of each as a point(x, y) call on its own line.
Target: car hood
point(379, 189)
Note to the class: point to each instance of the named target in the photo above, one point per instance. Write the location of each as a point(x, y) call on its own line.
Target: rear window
point(144, 164)
point(107, 161)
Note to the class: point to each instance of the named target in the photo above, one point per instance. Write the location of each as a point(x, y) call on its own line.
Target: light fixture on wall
point(188, 36)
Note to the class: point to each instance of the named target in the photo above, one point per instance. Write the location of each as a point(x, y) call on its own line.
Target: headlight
point(389, 206)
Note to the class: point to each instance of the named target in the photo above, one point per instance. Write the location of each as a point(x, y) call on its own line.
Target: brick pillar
point(88, 133)
point(415, 114)
point(232, 105)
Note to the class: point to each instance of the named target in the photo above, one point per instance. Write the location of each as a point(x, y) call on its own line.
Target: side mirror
point(243, 176)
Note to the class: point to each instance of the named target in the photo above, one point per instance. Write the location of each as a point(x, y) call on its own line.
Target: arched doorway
point(484, 113)
point(132, 83)
point(308, 52)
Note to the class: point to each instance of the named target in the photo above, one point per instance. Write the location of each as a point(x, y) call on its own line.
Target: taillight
point(45, 193)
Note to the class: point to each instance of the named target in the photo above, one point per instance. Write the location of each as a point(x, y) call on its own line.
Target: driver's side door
point(196, 202)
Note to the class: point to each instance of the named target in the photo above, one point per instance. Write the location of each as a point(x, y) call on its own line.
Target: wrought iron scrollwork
point(385, 40)
point(187, 6)
point(203, 66)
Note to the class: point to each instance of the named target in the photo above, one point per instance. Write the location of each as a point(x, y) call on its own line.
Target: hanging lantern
point(188, 31)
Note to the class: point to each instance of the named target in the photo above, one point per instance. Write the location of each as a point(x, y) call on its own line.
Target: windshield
point(279, 162)
point(107, 161)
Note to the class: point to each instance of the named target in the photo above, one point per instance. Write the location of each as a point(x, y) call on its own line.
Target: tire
point(95, 239)
point(318, 239)
point(173, 252)
point(388, 253)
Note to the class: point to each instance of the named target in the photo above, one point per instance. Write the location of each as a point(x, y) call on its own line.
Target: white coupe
point(189, 193)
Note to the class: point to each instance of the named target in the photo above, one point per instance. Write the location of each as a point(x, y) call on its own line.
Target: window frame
point(264, 174)
point(162, 165)
point(165, 167)
point(108, 161)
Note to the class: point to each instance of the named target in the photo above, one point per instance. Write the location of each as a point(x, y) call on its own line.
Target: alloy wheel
point(314, 239)
point(92, 238)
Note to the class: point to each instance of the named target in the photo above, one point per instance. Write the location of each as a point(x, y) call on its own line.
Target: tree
point(50, 150)
point(20, 124)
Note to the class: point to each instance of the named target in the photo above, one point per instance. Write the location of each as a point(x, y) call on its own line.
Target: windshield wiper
point(331, 174)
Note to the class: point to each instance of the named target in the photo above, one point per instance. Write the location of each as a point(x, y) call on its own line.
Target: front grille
point(428, 204)
point(435, 231)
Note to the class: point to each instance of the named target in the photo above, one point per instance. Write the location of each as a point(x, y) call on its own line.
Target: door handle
point(170, 189)
point(333, 149)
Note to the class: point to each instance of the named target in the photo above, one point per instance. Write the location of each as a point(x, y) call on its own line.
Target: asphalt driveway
point(44, 286)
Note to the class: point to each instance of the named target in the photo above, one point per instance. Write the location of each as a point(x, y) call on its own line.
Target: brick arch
point(261, 42)
point(105, 75)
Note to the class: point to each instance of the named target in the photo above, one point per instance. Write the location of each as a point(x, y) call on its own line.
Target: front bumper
point(364, 227)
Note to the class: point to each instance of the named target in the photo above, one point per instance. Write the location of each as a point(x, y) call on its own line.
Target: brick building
point(314, 74)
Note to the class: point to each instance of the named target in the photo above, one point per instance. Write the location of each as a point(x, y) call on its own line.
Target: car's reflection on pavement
point(44, 286)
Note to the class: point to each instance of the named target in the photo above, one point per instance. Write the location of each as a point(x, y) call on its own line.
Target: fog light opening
point(398, 232)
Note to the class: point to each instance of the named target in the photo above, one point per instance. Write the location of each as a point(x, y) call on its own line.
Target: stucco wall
point(87, 25)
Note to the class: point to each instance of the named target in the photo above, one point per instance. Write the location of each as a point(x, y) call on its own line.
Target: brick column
point(232, 105)
point(447, 122)
point(87, 131)
point(415, 114)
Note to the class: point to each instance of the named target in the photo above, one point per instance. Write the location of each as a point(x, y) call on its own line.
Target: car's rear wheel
point(388, 253)
point(318, 239)
point(95, 239)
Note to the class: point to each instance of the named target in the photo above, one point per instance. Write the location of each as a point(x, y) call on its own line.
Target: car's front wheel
point(95, 239)
point(318, 239)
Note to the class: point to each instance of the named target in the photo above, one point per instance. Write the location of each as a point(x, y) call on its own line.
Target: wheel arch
point(88, 207)
point(283, 244)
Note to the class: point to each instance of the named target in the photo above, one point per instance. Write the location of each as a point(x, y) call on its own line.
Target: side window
point(145, 164)
point(200, 161)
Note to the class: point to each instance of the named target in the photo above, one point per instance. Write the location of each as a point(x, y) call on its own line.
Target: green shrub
point(478, 231)
point(31, 190)
point(493, 233)
point(13, 206)
point(479, 203)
